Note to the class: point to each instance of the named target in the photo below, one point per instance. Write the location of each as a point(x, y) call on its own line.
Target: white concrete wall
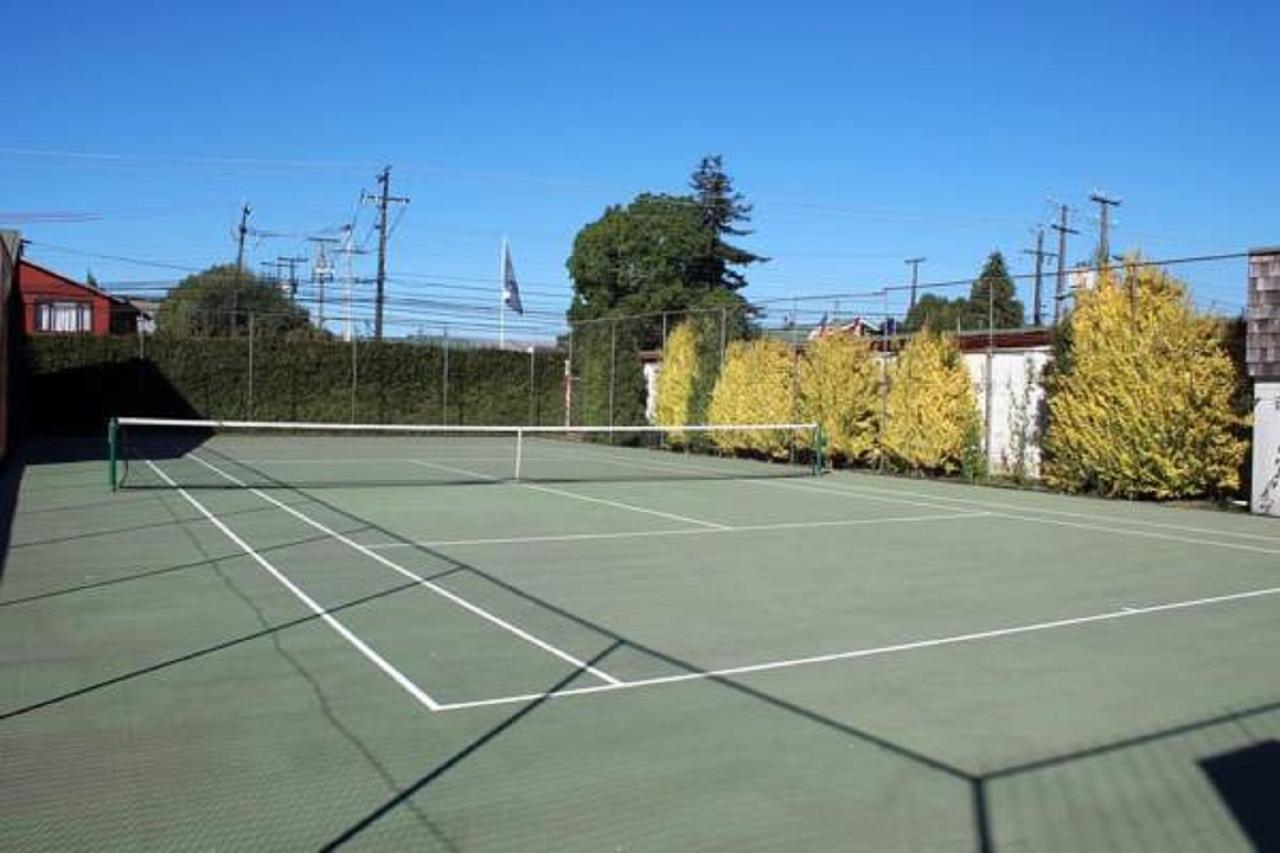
point(651, 371)
point(1266, 448)
point(1016, 406)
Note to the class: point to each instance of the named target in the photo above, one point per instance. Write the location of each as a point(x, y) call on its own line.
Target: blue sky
point(863, 133)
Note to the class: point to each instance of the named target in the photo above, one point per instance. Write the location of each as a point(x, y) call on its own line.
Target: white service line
point(620, 505)
point(956, 639)
point(376, 659)
point(682, 531)
point(436, 588)
point(615, 504)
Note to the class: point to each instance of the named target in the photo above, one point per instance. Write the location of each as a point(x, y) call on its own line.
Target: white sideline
point(376, 659)
point(436, 588)
point(944, 502)
point(540, 488)
point(956, 639)
point(681, 531)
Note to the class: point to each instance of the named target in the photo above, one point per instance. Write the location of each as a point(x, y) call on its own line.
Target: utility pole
point(915, 277)
point(240, 234)
point(292, 263)
point(1105, 203)
point(1037, 318)
point(383, 199)
point(235, 291)
point(1063, 230)
point(322, 271)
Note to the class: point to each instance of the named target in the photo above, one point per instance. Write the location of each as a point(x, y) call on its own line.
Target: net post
point(519, 450)
point(113, 429)
point(819, 450)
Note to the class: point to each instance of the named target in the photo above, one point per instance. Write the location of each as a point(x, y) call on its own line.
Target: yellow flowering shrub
point(931, 410)
point(754, 387)
point(839, 388)
point(1140, 401)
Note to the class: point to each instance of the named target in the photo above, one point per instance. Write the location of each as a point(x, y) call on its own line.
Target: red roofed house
point(55, 304)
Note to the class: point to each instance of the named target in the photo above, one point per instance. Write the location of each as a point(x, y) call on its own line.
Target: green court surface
point(316, 642)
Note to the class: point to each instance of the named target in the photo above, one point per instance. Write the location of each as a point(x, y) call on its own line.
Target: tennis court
point(388, 642)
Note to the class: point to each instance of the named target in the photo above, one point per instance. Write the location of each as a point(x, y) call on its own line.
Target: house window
point(64, 317)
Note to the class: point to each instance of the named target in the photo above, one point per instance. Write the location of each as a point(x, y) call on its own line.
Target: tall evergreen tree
point(720, 209)
point(1005, 305)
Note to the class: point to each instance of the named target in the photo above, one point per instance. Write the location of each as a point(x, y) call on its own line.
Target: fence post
point(613, 368)
point(444, 381)
point(250, 415)
point(722, 336)
point(354, 373)
point(568, 383)
point(533, 361)
point(990, 377)
point(884, 384)
point(112, 450)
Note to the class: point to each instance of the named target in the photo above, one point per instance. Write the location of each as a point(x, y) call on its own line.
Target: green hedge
point(75, 383)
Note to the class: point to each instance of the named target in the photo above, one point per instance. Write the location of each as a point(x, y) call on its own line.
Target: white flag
point(510, 290)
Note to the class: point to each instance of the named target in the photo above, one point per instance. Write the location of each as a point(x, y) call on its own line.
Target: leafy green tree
point(936, 312)
point(971, 312)
point(659, 255)
point(219, 301)
point(643, 259)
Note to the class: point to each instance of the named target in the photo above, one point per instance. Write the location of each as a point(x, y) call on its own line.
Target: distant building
point(53, 304)
point(148, 310)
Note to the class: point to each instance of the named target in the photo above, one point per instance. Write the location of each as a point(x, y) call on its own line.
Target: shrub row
point(75, 383)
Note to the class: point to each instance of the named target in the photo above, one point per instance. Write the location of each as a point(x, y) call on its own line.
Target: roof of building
point(96, 291)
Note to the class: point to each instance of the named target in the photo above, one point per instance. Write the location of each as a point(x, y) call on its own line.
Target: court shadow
point(197, 654)
point(1248, 781)
point(1245, 785)
point(152, 573)
point(405, 796)
point(10, 479)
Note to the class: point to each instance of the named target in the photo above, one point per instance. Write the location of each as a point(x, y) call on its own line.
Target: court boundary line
point(875, 651)
point(1029, 515)
point(682, 531)
point(537, 487)
point(387, 668)
point(417, 578)
point(858, 490)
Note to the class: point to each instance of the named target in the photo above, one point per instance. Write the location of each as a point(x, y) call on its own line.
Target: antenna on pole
point(322, 271)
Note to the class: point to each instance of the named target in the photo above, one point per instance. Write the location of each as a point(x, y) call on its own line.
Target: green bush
point(75, 383)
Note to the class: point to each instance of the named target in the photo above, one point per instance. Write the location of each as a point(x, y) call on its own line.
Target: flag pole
point(502, 296)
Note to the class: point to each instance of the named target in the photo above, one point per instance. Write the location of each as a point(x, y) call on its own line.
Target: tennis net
point(163, 453)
